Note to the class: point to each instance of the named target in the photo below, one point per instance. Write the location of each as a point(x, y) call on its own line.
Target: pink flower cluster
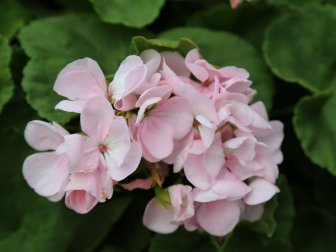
point(181, 115)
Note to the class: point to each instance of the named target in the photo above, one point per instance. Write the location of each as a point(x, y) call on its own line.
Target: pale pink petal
point(81, 80)
point(177, 113)
point(202, 105)
point(260, 108)
point(80, 201)
point(129, 76)
point(231, 189)
point(43, 136)
point(128, 166)
point(199, 72)
point(162, 92)
point(234, 72)
point(71, 106)
point(219, 217)
point(96, 118)
point(144, 184)
point(207, 134)
point(46, 172)
point(156, 137)
point(152, 60)
point(159, 219)
point(127, 103)
point(214, 158)
point(196, 173)
point(144, 106)
point(82, 152)
point(180, 152)
point(176, 63)
point(262, 191)
point(82, 192)
point(118, 141)
point(206, 195)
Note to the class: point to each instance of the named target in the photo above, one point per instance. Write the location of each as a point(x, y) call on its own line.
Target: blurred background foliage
point(288, 46)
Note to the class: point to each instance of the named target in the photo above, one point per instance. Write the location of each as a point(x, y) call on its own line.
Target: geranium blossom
point(178, 114)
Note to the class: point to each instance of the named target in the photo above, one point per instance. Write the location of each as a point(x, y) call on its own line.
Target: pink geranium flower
point(108, 136)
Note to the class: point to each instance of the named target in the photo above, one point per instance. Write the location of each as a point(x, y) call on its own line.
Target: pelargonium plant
point(209, 153)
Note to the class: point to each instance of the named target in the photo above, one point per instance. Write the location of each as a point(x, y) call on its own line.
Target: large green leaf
point(222, 17)
point(6, 82)
point(181, 241)
point(301, 47)
point(137, 13)
point(28, 222)
point(226, 49)
point(12, 17)
point(316, 230)
point(130, 226)
point(95, 226)
point(315, 125)
point(53, 42)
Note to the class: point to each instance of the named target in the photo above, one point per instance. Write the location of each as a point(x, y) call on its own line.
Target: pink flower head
point(46, 172)
point(175, 112)
point(79, 81)
point(166, 219)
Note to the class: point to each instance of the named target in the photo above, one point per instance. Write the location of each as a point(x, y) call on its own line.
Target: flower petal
point(156, 137)
point(44, 136)
point(219, 217)
point(46, 172)
point(129, 165)
point(262, 191)
point(159, 219)
point(81, 80)
point(96, 118)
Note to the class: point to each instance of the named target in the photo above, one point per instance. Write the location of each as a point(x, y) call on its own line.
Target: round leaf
point(226, 49)
point(6, 82)
point(301, 47)
point(315, 126)
point(12, 17)
point(54, 42)
point(137, 13)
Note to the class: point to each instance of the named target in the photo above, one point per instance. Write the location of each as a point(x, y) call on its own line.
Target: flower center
point(103, 148)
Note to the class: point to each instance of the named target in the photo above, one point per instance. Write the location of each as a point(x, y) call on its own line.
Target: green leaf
point(315, 231)
point(301, 47)
point(130, 13)
point(12, 17)
point(183, 46)
point(243, 239)
point(130, 226)
point(52, 43)
point(181, 241)
point(222, 17)
point(95, 226)
point(226, 49)
point(315, 125)
point(29, 222)
point(6, 82)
